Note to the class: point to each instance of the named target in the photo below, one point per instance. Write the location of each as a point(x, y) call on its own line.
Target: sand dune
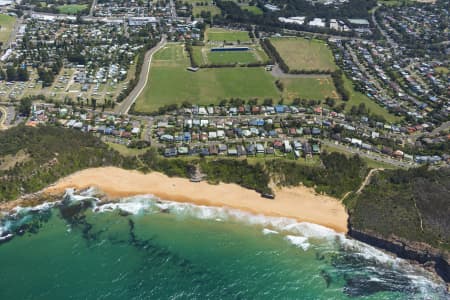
point(300, 203)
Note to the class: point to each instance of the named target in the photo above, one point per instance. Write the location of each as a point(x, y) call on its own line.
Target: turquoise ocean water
point(144, 248)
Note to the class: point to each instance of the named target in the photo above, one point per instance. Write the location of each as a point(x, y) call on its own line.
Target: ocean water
point(144, 248)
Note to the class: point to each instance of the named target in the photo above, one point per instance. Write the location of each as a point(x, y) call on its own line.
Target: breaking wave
point(303, 235)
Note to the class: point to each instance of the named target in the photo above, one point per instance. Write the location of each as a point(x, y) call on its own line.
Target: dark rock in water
point(364, 285)
point(326, 277)
point(6, 238)
point(365, 277)
point(28, 222)
point(70, 210)
point(408, 250)
point(124, 213)
point(320, 256)
point(165, 210)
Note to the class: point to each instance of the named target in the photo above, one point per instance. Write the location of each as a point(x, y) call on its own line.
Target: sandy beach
point(300, 203)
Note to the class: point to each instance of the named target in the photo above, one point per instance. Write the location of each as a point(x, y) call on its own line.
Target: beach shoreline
point(300, 203)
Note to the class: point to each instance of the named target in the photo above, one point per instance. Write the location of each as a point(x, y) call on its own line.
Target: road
point(124, 107)
point(92, 9)
point(323, 35)
point(3, 115)
point(390, 41)
point(370, 155)
point(173, 10)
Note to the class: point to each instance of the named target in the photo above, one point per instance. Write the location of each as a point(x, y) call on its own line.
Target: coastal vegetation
point(337, 175)
point(49, 153)
point(411, 204)
point(251, 176)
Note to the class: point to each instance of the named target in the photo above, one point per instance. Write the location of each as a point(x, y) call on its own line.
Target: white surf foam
point(299, 241)
point(132, 208)
point(71, 196)
point(297, 233)
point(267, 231)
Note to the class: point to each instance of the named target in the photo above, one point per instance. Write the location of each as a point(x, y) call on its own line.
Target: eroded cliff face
point(431, 258)
point(407, 213)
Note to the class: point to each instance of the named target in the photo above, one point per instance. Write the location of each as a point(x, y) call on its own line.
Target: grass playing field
point(304, 54)
point(204, 56)
point(214, 10)
point(241, 57)
point(220, 35)
point(71, 9)
point(171, 83)
point(6, 26)
point(309, 88)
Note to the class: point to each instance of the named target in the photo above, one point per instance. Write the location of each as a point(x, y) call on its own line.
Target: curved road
point(3, 115)
point(125, 105)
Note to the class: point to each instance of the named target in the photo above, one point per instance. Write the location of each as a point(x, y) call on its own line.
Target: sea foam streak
point(296, 233)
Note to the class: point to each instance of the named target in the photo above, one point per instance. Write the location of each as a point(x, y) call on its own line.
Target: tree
point(22, 74)
point(11, 73)
point(25, 106)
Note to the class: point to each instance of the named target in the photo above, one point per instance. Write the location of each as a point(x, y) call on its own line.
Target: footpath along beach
point(300, 203)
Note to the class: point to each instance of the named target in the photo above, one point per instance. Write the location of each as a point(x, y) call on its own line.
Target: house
point(170, 152)
point(279, 109)
point(251, 149)
point(213, 150)
point(259, 148)
point(241, 150)
point(307, 149)
point(297, 145)
point(222, 148)
point(183, 150)
point(270, 151)
point(271, 7)
point(315, 131)
point(232, 152)
point(316, 149)
point(287, 146)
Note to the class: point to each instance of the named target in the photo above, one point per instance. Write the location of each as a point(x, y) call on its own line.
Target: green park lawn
point(72, 9)
point(214, 10)
point(308, 88)
point(204, 56)
point(241, 57)
point(220, 35)
point(304, 54)
point(198, 56)
point(253, 9)
point(171, 83)
point(6, 26)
